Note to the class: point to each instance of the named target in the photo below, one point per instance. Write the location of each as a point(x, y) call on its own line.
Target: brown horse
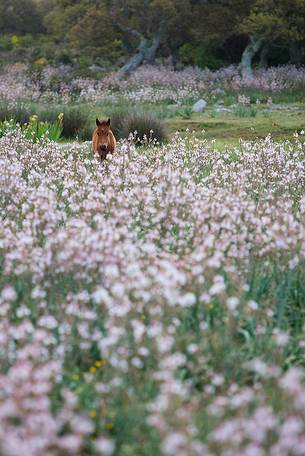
point(103, 140)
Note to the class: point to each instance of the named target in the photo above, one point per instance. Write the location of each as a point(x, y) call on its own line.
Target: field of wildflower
point(149, 84)
point(153, 304)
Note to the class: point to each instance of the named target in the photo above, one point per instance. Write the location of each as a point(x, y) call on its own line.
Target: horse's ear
point(108, 122)
point(98, 123)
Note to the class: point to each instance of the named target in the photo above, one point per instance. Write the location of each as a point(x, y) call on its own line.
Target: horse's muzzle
point(103, 150)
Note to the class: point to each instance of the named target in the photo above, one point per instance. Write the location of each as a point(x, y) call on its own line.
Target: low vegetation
point(144, 127)
point(271, 102)
point(152, 304)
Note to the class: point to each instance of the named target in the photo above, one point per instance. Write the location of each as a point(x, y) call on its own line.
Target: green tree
point(110, 28)
point(64, 15)
point(147, 24)
point(94, 34)
point(216, 22)
point(273, 21)
point(20, 17)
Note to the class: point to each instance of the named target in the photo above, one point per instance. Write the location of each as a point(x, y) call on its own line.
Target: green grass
point(228, 128)
point(294, 95)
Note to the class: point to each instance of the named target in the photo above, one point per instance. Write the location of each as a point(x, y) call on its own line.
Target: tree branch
point(131, 31)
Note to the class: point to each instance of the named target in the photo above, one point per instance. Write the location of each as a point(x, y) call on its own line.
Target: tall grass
point(75, 122)
point(18, 111)
point(245, 111)
point(36, 129)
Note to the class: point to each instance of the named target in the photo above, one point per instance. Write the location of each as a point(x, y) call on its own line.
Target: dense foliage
point(106, 33)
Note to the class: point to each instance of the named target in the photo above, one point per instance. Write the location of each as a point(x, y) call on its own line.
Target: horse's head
point(102, 131)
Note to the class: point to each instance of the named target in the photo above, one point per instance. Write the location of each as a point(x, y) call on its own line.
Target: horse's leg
point(112, 142)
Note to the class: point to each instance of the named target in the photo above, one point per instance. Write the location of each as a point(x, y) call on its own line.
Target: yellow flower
point(41, 61)
point(92, 413)
point(117, 42)
point(100, 363)
point(92, 369)
point(33, 118)
point(15, 40)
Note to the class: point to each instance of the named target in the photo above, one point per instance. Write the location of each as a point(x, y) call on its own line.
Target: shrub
point(75, 119)
point(17, 111)
point(75, 123)
point(35, 129)
point(199, 56)
point(144, 126)
point(5, 43)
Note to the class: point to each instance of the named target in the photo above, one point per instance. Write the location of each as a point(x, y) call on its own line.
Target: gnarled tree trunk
point(145, 52)
point(134, 61)
point(248, 55)
point(151, 52)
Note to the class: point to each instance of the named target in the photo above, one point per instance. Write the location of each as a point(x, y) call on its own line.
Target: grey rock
point(222, 109)
point(96, 68)
point(199, 106)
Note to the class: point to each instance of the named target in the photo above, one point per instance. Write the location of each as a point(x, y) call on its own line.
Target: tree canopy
point(126, 33)
point(20, 17)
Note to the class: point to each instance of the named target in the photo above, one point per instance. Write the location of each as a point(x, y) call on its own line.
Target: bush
point(17, 111)
point(199, 56)
point(145, 127)
point(75, 119)
point(35, 130)
point(5, 43)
